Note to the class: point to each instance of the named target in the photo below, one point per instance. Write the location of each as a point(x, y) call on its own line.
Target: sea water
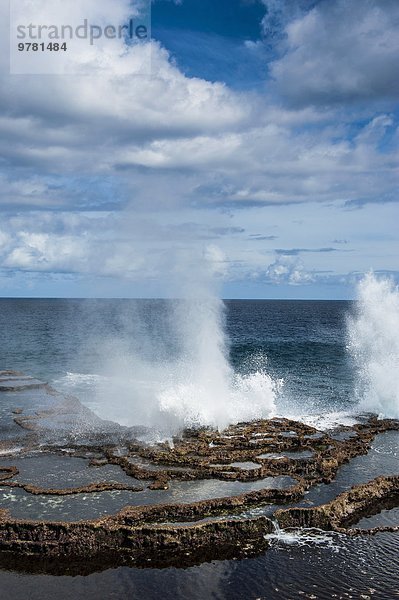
point(126, 360)
point(175, 363)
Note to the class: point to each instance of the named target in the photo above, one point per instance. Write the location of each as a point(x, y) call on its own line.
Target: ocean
point(294, 354)
point(71, 343)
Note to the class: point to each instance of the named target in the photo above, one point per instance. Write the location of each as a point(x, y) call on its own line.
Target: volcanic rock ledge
point(111, 535)
point(347, 508)
point(43, 422)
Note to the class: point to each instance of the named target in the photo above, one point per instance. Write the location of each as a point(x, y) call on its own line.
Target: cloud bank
point(109, 175)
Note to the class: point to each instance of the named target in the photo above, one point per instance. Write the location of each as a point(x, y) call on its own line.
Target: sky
point(262, 143)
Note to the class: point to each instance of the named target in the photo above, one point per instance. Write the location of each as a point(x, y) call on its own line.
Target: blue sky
point(262, 148)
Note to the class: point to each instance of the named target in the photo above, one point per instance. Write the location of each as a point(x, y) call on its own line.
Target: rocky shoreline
point(347, 508)
point(293, 455)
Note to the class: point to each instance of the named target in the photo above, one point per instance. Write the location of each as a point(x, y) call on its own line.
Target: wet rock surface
point(14, 380)
point(347, 509)
point(51, 446)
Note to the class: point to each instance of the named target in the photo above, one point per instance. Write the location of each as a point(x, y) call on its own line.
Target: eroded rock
point(347, 508)
point(244, 452)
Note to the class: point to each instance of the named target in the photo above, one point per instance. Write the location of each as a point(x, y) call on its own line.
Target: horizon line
point(172, 299)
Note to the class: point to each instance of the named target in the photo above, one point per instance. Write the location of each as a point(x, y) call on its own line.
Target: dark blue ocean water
point(301, 342)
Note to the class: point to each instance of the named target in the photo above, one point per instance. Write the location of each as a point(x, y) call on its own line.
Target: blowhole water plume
point(192, 384)
point(374, 346)
point(205, 390)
